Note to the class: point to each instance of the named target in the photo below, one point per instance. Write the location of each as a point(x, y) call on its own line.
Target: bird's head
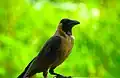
point(67, 24)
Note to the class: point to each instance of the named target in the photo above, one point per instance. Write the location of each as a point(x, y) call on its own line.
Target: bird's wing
point(46, 57)
point(50, 49)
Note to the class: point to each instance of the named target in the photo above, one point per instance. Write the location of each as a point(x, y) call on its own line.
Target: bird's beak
point(74, 22)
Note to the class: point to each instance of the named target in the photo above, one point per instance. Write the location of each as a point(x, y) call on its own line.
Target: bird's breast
point(66, 46)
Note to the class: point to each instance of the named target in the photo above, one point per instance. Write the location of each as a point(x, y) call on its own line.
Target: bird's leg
point(45, 74)
point(51, 71)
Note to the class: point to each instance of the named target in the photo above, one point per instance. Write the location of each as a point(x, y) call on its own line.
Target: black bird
point(54, 51)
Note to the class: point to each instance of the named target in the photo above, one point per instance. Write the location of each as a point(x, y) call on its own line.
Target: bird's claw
point(60, 76)
point(69, 77)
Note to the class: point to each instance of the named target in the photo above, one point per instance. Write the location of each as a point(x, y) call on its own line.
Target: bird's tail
point(23, 73)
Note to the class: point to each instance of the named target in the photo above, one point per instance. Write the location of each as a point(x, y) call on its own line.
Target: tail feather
point(23, 73)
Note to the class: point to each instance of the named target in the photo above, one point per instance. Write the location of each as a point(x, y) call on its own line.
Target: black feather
point(23, 73)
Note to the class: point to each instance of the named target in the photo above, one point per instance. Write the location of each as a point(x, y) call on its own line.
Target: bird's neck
point(69, 32)
point(63, 33)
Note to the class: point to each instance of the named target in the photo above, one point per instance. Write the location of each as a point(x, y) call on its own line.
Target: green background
point(25, 25)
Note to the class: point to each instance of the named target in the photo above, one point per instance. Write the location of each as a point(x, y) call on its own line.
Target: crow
point(54, 52)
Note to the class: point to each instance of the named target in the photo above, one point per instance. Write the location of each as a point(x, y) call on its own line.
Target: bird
point(54, 52)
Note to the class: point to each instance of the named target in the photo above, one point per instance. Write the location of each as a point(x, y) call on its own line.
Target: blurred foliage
point(25, 25)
